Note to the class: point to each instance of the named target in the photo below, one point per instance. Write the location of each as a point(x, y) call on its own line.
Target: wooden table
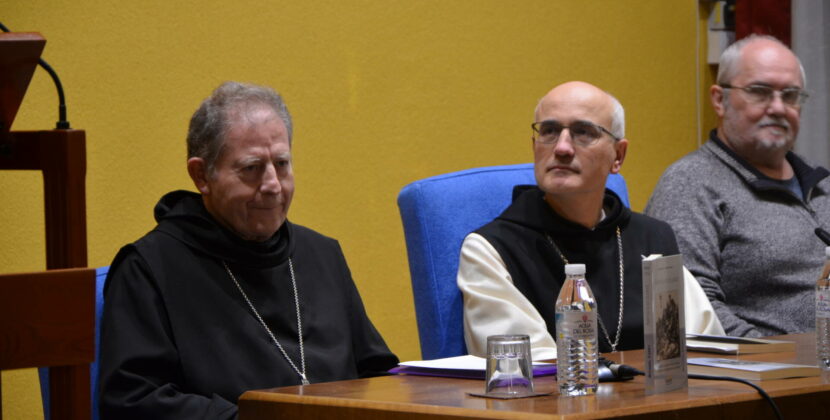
point(414, 397)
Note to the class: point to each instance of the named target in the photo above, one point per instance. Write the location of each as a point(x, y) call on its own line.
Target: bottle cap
point(571, 269)
point(827, 251)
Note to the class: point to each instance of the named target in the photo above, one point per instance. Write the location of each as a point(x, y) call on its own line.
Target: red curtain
point(768, 17)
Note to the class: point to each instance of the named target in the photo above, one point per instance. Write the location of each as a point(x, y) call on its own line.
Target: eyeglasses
point(583, 133)
point(759, 94)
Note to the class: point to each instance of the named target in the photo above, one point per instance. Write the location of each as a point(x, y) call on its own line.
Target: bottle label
point(823, 304)
point(577, 325)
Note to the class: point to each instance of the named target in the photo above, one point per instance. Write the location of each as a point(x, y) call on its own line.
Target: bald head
point(591, 100)
point(745, 53)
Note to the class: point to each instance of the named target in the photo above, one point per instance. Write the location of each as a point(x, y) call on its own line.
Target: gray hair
point(211, 123)
point(728, 63)
point(617, 118)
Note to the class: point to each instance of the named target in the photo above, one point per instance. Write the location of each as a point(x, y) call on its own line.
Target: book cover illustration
point(668, 326)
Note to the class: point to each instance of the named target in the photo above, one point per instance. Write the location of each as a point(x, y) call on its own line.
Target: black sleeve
point(139, 368)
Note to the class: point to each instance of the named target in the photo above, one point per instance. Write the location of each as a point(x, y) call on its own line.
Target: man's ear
point(620, 147)
point(197, 169)
point(716, 94)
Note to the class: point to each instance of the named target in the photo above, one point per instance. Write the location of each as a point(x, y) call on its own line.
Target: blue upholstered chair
point(43, 373)
point(437, 213)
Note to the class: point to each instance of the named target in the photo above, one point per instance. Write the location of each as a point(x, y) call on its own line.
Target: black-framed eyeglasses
point(762, 94)
point(583, 133)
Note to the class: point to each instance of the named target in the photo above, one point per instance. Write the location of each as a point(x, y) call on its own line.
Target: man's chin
point(262, 232)
point(774, 143)
point(559, 186)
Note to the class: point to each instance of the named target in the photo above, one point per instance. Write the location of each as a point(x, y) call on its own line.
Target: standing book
point(663, 323)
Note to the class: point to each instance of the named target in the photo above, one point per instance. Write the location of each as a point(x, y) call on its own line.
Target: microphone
point(823, 235)
point(63, 123)
point(613, 371)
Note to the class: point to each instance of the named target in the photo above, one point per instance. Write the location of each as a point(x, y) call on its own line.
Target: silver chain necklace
point(273, 338)
point(620, 320)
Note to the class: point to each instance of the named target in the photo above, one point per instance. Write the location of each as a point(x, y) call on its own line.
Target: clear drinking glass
point(509, 366)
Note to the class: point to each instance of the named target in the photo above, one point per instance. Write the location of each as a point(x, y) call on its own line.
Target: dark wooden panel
point(69, 397)
point(47, 318)
point(19, 53)
point(61, 156)
point(20, 150)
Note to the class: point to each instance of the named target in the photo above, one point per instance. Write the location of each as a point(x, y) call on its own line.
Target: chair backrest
point(48, 319)
point(43, 372)
point(437, 213)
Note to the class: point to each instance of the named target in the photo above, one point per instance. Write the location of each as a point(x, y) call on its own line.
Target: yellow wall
point(382, 92)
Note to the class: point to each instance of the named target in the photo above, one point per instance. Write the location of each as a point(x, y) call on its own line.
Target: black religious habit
point(178, 340)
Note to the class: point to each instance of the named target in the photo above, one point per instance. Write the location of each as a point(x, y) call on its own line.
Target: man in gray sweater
point(750, 215)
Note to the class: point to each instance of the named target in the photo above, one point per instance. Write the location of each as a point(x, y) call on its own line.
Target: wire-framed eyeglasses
point(583, 133)
point(793, 97)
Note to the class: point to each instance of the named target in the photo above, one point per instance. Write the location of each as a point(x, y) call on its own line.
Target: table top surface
point(450, 397)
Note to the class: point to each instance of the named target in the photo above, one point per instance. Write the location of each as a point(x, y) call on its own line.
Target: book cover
point(736, 345)
point(749, 369)
point(663, 323)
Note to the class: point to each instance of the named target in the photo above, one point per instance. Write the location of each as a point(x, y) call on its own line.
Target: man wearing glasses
point(749, 214)
point(510, 270)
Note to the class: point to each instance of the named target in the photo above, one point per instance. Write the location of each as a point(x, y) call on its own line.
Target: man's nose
point(564, 145)
point(776, 105)
point(271, 180)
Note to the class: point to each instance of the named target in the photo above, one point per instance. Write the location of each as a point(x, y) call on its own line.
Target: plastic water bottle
point(823, 314)
point(576, 335)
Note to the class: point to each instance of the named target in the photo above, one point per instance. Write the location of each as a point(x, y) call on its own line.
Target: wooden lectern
point(39, 326)
point(59, 154)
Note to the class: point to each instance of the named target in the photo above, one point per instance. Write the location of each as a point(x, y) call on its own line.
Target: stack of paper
point(748, 369)
point(470, 367)
point(736, 345)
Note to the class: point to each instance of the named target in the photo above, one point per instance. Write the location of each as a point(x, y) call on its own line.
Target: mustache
point(772, 121)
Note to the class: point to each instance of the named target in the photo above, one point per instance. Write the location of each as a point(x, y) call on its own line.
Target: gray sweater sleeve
point(697, 214)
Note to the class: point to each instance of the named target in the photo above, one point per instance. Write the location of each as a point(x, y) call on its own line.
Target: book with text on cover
point(749, 369)
point(736, 345)
point(664, 326)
